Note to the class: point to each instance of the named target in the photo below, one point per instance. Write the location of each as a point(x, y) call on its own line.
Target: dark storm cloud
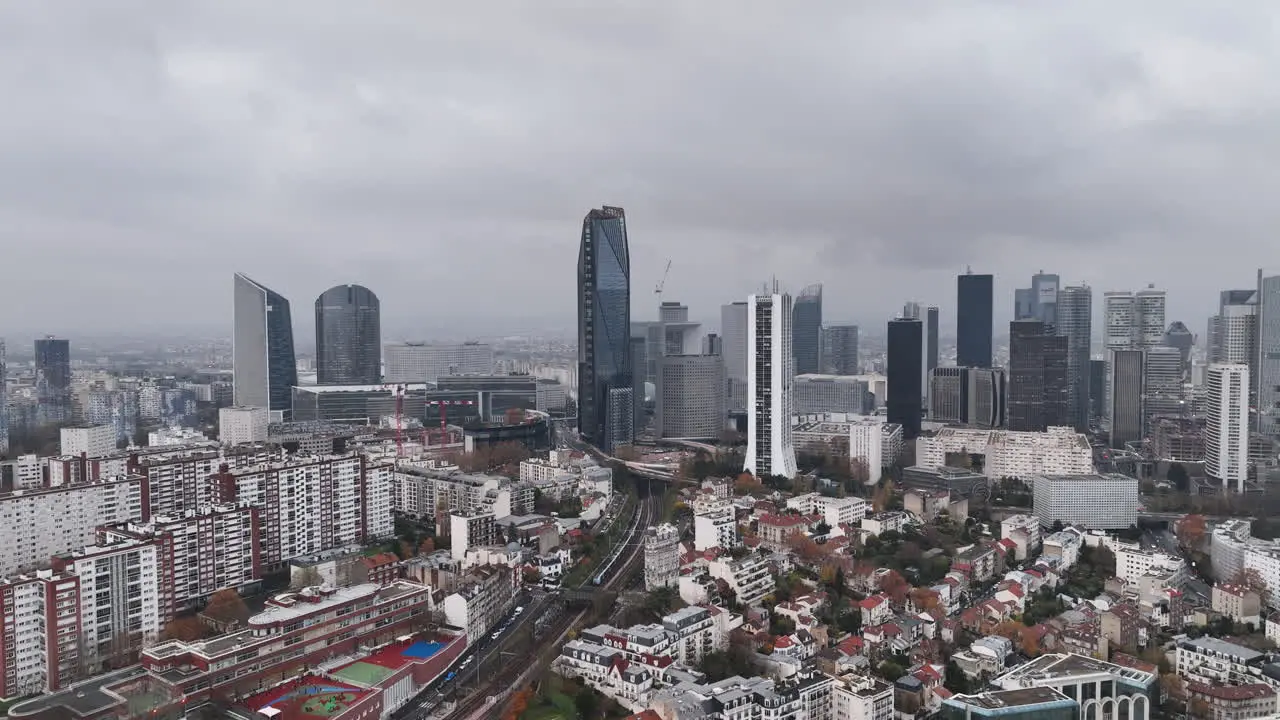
point(436, 151)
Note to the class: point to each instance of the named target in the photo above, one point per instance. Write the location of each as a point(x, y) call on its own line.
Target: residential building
point(661, 556)
point(240, 424)
point(749, 578)
point(1262, 558)
point(840, 350)
point(834, 510)
point(22, 472)
point(1038, 395)
point(1238, 602)
point(905, 361)
point(715, 527)
point(1032, 703)
point(974, 310)
point(883, 522)
point(40, 523)
point(482, 599)
point(1009, 454)
point(417, 362)
point(1226, 438)
point(348, 336)
point(88, 441)
point(860, 696)
point(770, 378)
point(4, 405)
point(1232, 702)
point(1211, 661)
point(1024, 531)
point(733, 330)
point(868, 439)
point(1100, 502)
point(469, 530)
point(928, 504)
point(1101, 689)
point(1178, 439)
point(832, 394)
point(806, 330)
point(1133, 562)
point(967, 396)
point(606, 411)
point(1227, 546)
point(262, 346)
point(777, 530)
point(1075, 321)
point(691, 397)
point(41, 632)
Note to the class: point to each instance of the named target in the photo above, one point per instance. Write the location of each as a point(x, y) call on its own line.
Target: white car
point(519, 609)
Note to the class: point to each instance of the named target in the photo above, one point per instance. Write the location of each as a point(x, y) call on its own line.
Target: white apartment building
point(26, 471)
point(661, 556)
point(1213, 661)
point(1226, 432)
point(180, 480)
point(1098, 502)
point(37, 524)
point(869, 438)
point(859, 696)
point(1011, 454)
point(422, 491)
point(770, 387)
point(834, 511)
point(749, 578)
point(1024, 532)
point(715, 527)
point(167, 437)
point(1227, 547)
point(423, 362)
point(483, 598)
point(88, 441)
point(883, 522)
point(241, 424)
point(40, 631)
point(468, 530)
point(123, 607)
point(1132, 562)
point(1263, 558)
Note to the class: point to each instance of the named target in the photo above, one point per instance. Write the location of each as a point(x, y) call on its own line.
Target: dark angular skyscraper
point(905, 360)
point(348, 336)
point(606, 393)
point(930, 340)
point(840, 349)
point(1039, 391)
point(53, 380)
point(262, 348)
point(973, 320)
point(806, 330)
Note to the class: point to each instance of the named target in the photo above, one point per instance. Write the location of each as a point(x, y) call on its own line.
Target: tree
point(1190, 531)
point(587, 704)
point(427, 546)
point(306, 576)
point(895, 586)
point(806, 547)
point(518, 704)
point(1252, 579)
point(187, 629)
point(227, 603)
point(891, 671)
point(747, 484)
point(850, 620)
point(1178, 477)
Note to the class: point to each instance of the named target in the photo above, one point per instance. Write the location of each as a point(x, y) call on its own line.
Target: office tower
point(1162, 385)
point(840, 350)
point(733, 330)
point(832, 394)
point(770, 378)
point(806, 326)
point(1044, 292)
point(1226, 446)
point(1097, 390)
point(606, 410)
point(348, 337)
point(973, 320)
point(1233, 332)
point(911, 310)
point(1038, 390)
point(640, 407)
point(1126, 373)
point(967, 396)
point(262, 348)
point(1024, 304)
point(1074, 321)
point(679, 335)
point(671, 311)
point(416, 362)
point(4, 406)
point(53, 380)
point(690, 397)
point(904, 359)
point(931, 339)
point(1267, 362)
point(1134, 320)
point(713, 344)
point(1150, 304)
point(1181, 339)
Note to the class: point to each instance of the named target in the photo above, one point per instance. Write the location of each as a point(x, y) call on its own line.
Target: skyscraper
point(348, 336)
point(262, 349)
point(806, 324)
point(4, 405)
point(1226, 442)
point(639, 386)
point(606, 410)
point(690, 397)
point(967, 396)
point(1162, 385)
point(904, 360)
point(930, 339)
point(1181, 339)
point(770, 386)
point(1126, 377)
point(53, 380)
point(1075, 322)
point(1024, 304)
point(733, 330)
point(1267, 363)
point(840, 349)
point(1044, 290)
point(973, 320)
point(1097, 390)
point(1233, 332)
point(1038, 391)
point(1134, 320)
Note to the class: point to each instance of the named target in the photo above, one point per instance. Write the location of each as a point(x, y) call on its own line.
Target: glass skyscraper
point(262, 348)
point(53, 380)
point(606, 392)
point(905, 365)
point(973, 320)
point(806, 330)
point(348, 336)
point(1074, 309)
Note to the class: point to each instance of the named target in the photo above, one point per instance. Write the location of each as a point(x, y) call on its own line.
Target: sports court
point(305, 698)
point(377, 667)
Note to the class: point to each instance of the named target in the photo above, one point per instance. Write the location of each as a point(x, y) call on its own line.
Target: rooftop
point(326, 389)
point(1022, 697)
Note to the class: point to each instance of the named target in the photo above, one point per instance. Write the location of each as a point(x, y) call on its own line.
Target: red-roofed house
point(875, 609)
point(1012, 594)
point(777, 529)
point(850, 646)
point(383, 568)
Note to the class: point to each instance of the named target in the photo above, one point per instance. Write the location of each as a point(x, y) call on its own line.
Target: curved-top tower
point(606, 416)
point(348, 336)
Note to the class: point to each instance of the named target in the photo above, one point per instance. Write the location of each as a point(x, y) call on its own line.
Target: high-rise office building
point(679, 334)
point(840, 349)
point(1126, 375)
point(262, 348)
point(1074, 321)
point(770, 382)
point(1226, 446)
point(1044, 288)
point(1097, 390)
point(1267, 362)
point(904, 360)
point(733, 330)
point(1024, 304)
point(348, 336)
point(967, 396)
point(416, 362)
point(4, 405)
point(639, 387)
point(806, 326)
point(713, 344)
point(973, 320)
point(606, 410)
point(1233, 332)
point(911, 310)
point(1162, 385)
point(53, 380)
point(1038, 390)
point(930, 339)
point(690, 397)
point(1134, 320)
point(1181, 339)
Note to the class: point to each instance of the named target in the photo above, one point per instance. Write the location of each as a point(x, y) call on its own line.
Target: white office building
point(1226, 436)
point(1099, 502)
point(423, 362)
point(89, 441)
point(770, 377)
point(241, 424)
point(661, 556)
point(1011, 454)
point(832, 394)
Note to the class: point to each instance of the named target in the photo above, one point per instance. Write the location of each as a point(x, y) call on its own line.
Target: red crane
point(399, 391)
point(444, 417)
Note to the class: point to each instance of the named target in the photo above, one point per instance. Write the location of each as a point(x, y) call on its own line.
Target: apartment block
point(41, 632)
point(36, 524)
point(661, 556)
point(1010, 454)
point(750, 578)
point(469, 530)
point(715, 527)
point(89, 440)
point(1098, 502)
point(483, 597)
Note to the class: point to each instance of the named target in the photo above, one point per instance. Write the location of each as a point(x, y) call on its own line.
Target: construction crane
point(399, 391)
point(444, 419)
point(657, 289)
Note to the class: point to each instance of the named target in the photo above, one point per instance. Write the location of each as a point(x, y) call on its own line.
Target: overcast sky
point(443, 154)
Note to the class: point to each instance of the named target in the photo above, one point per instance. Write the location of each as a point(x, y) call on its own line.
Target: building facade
point(606, 410)
point(1126, 379)
point(1098, 502)
point(262, 348)
point(416, 362)
point(661, 557)
point(905, 359)
point(1075, 321)
point(1226, 438)
point(806, 329)
point(1267, 364)
point(53, 380)
point(833, 394)
point(973, 320)
point(840, 350)
point(770, 387)
point(733, 331)
point(1008, 454)
point(691, 397)
point(348, 336)
point(967, 396)
point(1038, 395)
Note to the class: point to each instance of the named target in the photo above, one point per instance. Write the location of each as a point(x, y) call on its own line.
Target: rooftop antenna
point(968, 269)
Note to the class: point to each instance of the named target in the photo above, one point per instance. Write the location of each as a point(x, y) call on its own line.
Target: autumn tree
point(427, 546)
point(924, 599)
point(518, 705)
point(227, 603)
point(804, 546)
point(882, 498)
point(1252, 579)
point(747, 484)
point(1190, 531)
point(895, 587)
point(187, 629)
